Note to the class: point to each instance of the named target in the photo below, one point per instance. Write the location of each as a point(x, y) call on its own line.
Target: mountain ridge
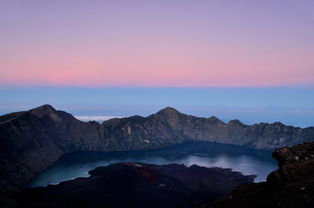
point(31, 141)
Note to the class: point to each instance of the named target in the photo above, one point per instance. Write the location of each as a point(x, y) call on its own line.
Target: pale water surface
point(238, 158)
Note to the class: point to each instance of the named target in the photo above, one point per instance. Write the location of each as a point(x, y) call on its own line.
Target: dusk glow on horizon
point(175, 43)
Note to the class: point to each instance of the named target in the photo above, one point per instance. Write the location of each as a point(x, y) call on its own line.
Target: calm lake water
point(238, 158)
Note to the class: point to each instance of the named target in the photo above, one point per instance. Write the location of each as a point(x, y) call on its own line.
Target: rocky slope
point(33, 140)
point(137, 185)
point(290, 186)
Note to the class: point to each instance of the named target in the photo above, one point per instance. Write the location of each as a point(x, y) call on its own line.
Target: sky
point(178, 43)
point(246, 59)
point(290, 105)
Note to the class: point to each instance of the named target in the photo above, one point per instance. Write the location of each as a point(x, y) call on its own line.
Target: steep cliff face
point(31, 141)
point(292, 185)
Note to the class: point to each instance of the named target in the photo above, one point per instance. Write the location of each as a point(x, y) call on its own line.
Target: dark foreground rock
point(137, 185)
point(33, 140)
point(291, 186)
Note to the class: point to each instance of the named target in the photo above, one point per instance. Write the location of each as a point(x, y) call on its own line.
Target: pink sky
point(157, 43)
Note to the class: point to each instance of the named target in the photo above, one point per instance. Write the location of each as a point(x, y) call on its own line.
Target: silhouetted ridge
point(10, 116)
point(138, 185)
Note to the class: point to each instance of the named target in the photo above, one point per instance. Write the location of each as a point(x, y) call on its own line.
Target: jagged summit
point(235, 122)
point(168, 111)
point(38, 112)
point(45, 110)
point(215, 120)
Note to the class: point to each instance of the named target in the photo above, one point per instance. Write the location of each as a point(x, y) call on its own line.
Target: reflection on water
point(238, 158)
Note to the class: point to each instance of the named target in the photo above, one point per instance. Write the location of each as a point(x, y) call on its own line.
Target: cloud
point(96, 118)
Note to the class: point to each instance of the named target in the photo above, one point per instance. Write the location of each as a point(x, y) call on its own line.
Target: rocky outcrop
point(33, 140)
point(292, 185)
point(137, 185)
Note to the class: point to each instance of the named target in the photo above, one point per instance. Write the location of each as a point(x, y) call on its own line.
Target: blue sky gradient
point(290, 105)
